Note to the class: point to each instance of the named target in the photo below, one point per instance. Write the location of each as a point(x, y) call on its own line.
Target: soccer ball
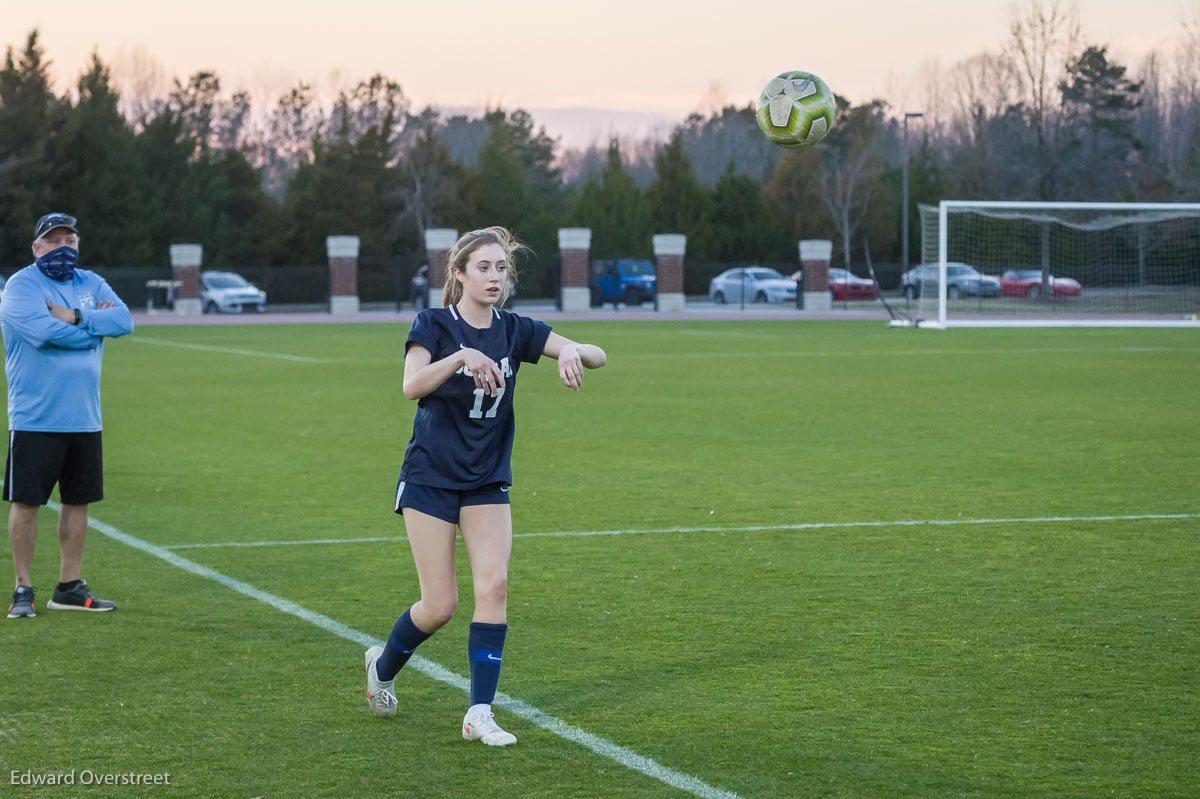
point(795, 109)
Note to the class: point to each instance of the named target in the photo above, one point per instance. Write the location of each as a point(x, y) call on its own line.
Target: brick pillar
point(343, 273)
point(438, 242)
point(185, 267)
point(574, 243)
point(814, 261)
point(668, 269)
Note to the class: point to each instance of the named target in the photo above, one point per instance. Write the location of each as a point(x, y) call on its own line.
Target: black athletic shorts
point(36, 461)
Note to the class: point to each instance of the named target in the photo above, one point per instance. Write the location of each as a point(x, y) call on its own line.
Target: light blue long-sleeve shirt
point(52, 367)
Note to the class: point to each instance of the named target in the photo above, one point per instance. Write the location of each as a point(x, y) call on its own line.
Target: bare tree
point(1183, 128)
point(231, 124)
point(141, 82)
point(852, 164)
point(1044, 36)
point(195, 103)
point(1150, 124)
point(982, 88)
point(429, 186)
point(376, 106)
point(933, 98)
point(1188, 67)
point(283, 139)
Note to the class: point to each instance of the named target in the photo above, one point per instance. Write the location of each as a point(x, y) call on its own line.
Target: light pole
point(904, 171)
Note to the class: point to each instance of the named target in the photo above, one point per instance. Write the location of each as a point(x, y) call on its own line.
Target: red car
point(1028, 283)
point(844, 285)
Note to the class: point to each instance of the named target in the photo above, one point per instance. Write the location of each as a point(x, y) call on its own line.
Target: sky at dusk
point(651, 56)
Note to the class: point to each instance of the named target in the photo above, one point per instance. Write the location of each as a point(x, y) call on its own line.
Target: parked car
point(1028, 283)
point(628, 280)
point(229, 292)
point(845, 285)
point(751, 284)
point(962, 280)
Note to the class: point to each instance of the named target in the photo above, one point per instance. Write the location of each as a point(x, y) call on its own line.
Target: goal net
point(1050, 264)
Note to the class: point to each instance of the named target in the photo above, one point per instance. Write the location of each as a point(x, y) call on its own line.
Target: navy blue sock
point(485, 643)
point(405, 637)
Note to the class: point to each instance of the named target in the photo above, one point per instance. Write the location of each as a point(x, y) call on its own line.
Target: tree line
point(1050, 117)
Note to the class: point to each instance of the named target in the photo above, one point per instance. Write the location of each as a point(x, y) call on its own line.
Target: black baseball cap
point(51, 221)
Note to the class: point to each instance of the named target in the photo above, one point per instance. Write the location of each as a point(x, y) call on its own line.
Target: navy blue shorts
point(444, 503)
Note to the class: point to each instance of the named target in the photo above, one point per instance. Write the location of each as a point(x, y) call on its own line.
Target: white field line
point(886, 353)
point(705, 355)
point(601, 746)
point(282, 356)
point(749, 529)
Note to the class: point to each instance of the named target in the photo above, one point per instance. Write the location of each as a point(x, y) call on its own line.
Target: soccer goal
point(1010, 264)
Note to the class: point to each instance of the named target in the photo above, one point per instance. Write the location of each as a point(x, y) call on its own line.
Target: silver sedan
point(744, 284)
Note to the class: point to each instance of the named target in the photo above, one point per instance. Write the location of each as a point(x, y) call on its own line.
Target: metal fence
point(386, 282)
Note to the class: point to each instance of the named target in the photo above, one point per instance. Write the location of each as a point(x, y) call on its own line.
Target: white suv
point(229, 292)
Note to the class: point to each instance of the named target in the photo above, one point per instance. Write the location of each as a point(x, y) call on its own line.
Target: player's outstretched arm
point(573, 358)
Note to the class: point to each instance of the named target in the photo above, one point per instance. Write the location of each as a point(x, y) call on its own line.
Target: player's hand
point(60, 313)
point(570, 367)
point(104, 305)
point(487, 374)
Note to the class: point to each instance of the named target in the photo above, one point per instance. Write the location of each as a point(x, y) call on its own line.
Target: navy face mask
point(59, 264)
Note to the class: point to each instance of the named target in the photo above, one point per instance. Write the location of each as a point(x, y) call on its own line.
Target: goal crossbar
point(1181, 311)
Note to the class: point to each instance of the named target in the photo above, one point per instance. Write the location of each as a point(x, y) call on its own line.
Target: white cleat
point(480, 725)
point(380, 697)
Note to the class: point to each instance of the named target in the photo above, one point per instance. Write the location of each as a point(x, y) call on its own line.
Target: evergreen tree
point(616, 211)
point(349, 189)
point(678, 201)
point(521, 189)
point(1099, 104)
point(728, 136)
point(351, 186)
point(246, 228)
point(302, 213)
point(163, 150)
point(927, 184)
point(99, 177)
point(507, 199)
point(795, 203)
point(742, 229)
point(30, 116)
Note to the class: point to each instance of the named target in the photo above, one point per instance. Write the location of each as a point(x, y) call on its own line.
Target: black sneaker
point(22, 604)
point(78, 598)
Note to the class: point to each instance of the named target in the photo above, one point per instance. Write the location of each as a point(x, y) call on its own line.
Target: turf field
point(754, 559)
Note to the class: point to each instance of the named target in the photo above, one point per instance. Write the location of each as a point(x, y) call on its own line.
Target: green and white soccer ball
point(796, 109)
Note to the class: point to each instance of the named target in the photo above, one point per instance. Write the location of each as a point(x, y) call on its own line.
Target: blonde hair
point(461, 252)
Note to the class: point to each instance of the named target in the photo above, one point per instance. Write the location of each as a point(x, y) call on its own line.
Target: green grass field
point(854, 562)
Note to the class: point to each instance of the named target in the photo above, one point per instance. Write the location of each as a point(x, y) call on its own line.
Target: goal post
point(1031, 264)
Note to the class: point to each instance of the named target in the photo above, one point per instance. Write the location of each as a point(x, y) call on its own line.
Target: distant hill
point(577, 128)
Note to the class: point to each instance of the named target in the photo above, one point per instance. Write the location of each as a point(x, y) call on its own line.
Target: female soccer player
point(461, 366)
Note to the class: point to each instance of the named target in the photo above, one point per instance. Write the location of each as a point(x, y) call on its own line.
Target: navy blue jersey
point(462, 438)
